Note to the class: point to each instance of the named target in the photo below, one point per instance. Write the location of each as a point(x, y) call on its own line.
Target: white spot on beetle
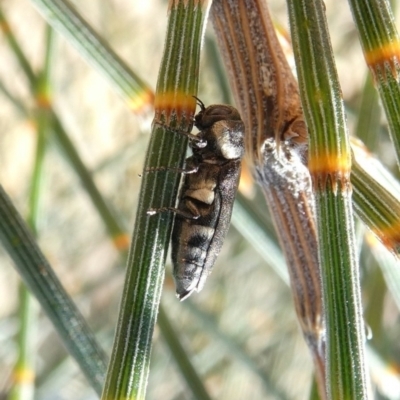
point(204, 195)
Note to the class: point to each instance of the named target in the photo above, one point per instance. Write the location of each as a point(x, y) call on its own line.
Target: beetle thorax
point(223, 142)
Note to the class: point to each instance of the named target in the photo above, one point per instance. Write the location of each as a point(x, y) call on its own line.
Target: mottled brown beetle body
point(207, 196)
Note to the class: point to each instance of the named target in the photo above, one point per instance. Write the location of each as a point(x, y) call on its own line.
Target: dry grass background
point(243, 298)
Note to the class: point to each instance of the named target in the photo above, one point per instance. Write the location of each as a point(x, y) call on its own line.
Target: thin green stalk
point(257, 233)
point(386, 373)
point(233, 348)
point(376, 201)
point(15, 102)
point(114, 227)
point(381, 45)
point(212, 52)
point(23, 61)
point(64, 18)
point(330, 163)
point(369, 115)
point(128, 370)
point(43, 122)
point(390, 267)
point(180, 355)
point(375, 290)
point(43, 283)
point(24, 372)
point(314, 394)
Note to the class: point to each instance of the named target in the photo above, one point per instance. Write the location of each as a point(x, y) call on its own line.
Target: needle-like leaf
point(42, 282)
point(174, 105)
point(64, 18)
point(330, 163)
point(381, 45)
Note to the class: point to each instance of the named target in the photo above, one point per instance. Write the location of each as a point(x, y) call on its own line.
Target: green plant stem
point(369, 115)
point(233, 348)
point(43, 283)
point(24, 373)
point(376, 201)
point(257, 233)
point(381, 45)
point(390, 267)
point(329, 164)
point(113, 226)
point(180, 355)
point(375, 290)
point(346, 372)
point(23, 61)
point(314, 394)
point(24, 370)
point(65, 19)
point(129, 366)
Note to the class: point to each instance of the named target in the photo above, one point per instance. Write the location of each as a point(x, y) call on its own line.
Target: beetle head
point(206, 117)
point(222, 131)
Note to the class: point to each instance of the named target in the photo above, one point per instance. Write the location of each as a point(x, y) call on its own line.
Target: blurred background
point(240, 331)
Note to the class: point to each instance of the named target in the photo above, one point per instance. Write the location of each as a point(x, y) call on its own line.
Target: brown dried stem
point(264, 86)
point(276, 141)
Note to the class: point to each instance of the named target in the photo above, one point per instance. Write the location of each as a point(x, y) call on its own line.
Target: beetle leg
point(192, 170)
point(184, 214)
point(200, 143)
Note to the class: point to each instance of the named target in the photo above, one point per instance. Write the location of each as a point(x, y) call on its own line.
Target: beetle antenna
point(200, 103)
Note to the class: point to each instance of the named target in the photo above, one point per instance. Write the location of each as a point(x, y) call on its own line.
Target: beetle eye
point(206, 118)
point(223, 112)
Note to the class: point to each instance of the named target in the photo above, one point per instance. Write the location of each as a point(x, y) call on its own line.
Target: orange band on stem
point(174, 100)
point(23, 376)
point(4, 27)
point(329, 164)
point(330, 170)
point(390, 235)
point(178, 102)
point(121, 241)
point(140, 102)
point(387, 53)
point(43, 100)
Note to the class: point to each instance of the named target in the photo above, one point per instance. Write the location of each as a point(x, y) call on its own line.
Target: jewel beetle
point(207, 194)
